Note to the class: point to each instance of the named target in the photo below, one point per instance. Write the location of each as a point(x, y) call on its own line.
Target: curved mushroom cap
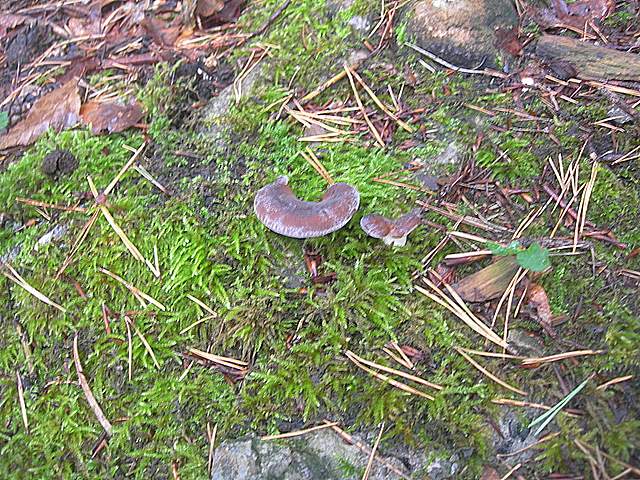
point(281, 211)
point(376, 225)
point(392, 232)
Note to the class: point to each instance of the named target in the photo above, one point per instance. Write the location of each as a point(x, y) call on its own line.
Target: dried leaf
point(229, 13)
point(207, 8)
point(507, 40)
point(162, 34)
point(58, 110)
point(488, 283)
point(111, 117)
point(539, 301)
point(574, 15)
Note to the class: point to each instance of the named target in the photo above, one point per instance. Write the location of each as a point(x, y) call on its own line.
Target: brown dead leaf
point(207, 8)
point(111, 117)
point(507, 40)
point(162, 33)
point(228, 14)
point(488, 283)
point(574, 15)
point(539, 301)
point(58, 110)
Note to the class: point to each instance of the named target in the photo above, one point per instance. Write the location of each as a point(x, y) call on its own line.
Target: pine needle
point(393, 371)
point(490, 375)
point(21, 282)
point(547, 417)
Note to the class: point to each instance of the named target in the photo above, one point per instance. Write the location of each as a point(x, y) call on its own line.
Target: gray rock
point(461, 31)
point(321, 455)
point(218, 107)
point(335, 6)
point(442, 469)
point(523, 343)
point(55, 233)
point(360, 24)
point(515, 437)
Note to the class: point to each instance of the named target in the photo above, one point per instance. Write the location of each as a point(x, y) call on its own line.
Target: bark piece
point(591, 62)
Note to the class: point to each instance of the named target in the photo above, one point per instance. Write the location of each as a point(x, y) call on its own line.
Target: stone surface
point(461, 31)
point(515, 436)
point(320, 455)
point(218, 107)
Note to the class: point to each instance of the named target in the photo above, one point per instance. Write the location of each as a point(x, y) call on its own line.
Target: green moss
point(294, 335)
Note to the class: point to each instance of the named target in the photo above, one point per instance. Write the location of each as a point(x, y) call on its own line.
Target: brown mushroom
point(391, 231)
point(281, 211)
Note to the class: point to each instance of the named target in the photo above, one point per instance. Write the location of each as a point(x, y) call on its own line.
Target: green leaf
point(534, 258)
point(512, 249)
point(4, 120)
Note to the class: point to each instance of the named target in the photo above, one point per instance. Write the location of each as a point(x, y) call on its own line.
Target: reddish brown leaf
point(488, 283)
point(111, 117)
point(58, 110)
point(207, 8)
point(229, 13)
point(507, 40)
point(539, 301)
point(162, 34)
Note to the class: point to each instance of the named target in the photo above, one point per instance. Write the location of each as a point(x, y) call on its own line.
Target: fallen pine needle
point(134, 290)
point(145, 173)
point(510, 472)
point(372, 128)
point(129, 350)
point(547, 417)
point(298, 433)
point(18, 280)
point(126, 166)
point(212, 441)
point(560, 356)
point(635, 470)
point(23, 406)
point(366, 449)
point(196, 323)
point(533, 445)
point(203, 305)
point(226, 361)
point(393, 371)
point(36, 203)
point(144, 342)
point(381, 105)
point(367, 470)
point(391, 381)
point(114, 225)
point(614, 381)
point(106, 425)
point(493, 354)
point(76, 245)
point(462, 313)
point(520, 403)
point(490, 375)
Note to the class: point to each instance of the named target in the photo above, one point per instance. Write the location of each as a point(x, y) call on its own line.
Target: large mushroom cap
point(281, 211)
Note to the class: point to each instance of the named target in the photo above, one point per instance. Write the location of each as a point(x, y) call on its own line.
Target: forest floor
point(188, 317)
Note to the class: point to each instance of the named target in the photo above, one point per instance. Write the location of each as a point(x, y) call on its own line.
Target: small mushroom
point(281, 211)
point(392, 232)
